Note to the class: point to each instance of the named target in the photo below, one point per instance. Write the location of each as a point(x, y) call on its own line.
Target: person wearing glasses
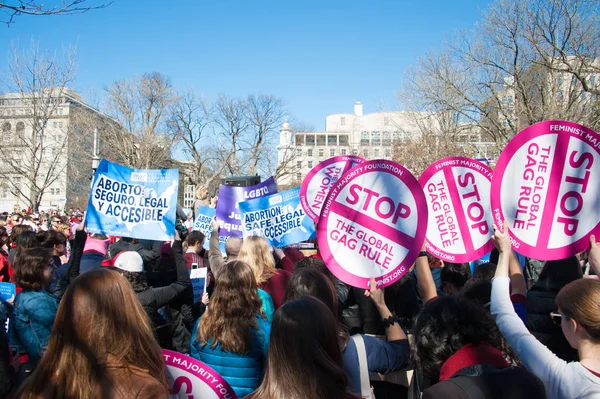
point(579, 317)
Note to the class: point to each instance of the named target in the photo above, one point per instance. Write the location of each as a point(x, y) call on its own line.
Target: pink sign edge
point(218, 377)
point(427, 174)
point(513, 145)
point(411, 256)
point(316, 169)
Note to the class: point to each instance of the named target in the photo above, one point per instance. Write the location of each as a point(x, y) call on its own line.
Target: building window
point(344, 151)
point(310, 139)
point(355, 152)
point(364, 138)
point(310, 164)
point(299, 163)
point(343, 140)
point(309, 153)
point(376, 152)
point(332, 140)
point(299, 139)
point(386, 139)
point(299, 176)
point(20, 128)
point(321, 139)
point(366, 153)
point(375, 138)
point(299, 152)
point(55, 124)
point(321, 153)
point(388, 153)
point(6, 127)
point(343, 121)
point(331, 153)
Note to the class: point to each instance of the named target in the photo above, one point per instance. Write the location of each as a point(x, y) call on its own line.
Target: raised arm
point(393, 331)
point(425, 278)
point(594, 258)
point(215, 257)
point(517, 279)
point(164, 295)
point(536, 357)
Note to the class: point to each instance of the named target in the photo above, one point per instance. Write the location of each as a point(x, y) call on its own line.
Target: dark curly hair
point(445, 325)
point(137, 280)
point(29, 268)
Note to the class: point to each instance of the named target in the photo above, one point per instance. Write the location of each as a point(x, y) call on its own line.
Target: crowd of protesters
point(92, 313)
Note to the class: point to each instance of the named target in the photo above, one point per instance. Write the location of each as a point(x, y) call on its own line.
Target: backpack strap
point(365, 384)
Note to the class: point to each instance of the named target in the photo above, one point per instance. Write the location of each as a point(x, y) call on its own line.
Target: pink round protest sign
point(546, 186)
point(460, 217)
point(320, 179)
point(190, 378)
point(373, 223)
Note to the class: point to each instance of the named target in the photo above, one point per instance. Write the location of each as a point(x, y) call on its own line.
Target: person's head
point(232, 248)
point(16, 219)
point(99, 319)
point(33, 270)
point(202, 192)
point(478, 292)
point(304, 358)
point(54, 241)
point(578, 304)
point(17, 231)
point(256, 252)
point(447, 324)
point(195, 241)
point(484, 271)
point(310, 262)
point(311, 282)
point(3, 236)
point(131, 266)
point(3, 221)
point(233, 309)
point(55, 222)
point(558, 273)
point(454, 276)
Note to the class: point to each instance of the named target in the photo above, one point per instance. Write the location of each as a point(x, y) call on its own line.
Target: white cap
point(129, 261)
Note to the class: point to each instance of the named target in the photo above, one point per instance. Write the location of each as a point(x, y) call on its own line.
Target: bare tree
point(525, 62)
point(33, 153)
point(231, 123)
point(191, 126)
point(141, 105)
point(15, 8)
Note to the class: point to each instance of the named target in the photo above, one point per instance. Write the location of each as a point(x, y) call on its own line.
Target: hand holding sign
point(501, 239)
point(546, 186)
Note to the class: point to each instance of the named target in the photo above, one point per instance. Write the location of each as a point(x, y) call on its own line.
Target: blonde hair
point(256, 252)
point(579, 301)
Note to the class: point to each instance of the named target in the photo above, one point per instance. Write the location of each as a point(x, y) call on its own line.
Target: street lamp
point(95, 157)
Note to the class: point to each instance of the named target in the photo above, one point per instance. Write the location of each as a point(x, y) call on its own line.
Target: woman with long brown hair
point(101, 346)
point(256, 252)
point(304, 359)
point(232, 336)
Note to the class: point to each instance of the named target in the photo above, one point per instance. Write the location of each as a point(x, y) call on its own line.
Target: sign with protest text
point(228, 211)
point(8, 291)
point(198, 279)
point(373, 223)
point(546, 186)
point(203, 223)
point(137, 203)
point(278, 217)
point(190, 378)
point(320, 179)
point(460, 223)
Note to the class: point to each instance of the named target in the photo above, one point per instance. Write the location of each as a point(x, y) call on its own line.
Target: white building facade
point(367, 135)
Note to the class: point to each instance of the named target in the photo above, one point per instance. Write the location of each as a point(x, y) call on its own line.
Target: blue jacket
point(31, 322)
point(268, 308)
point(242, 372)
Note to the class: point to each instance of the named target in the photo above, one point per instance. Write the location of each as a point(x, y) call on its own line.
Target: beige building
point(46, 144)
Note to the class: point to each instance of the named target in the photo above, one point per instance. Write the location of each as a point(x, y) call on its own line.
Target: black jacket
point(148, 250)
point(487, 382)
point(540, 302)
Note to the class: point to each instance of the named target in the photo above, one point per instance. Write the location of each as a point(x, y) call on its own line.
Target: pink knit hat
point(92, 244)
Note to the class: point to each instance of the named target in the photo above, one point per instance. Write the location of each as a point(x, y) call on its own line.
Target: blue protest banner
point(7, 291)
point(229, 198)
point(203, 223)
point(279, 218)
point(137, 203)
